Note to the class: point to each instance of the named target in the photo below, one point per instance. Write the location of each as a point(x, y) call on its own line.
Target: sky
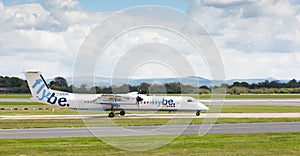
point(256, 39)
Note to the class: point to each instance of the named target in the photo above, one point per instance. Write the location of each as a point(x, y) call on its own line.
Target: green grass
point(23, 104)
point(103, 122)
point(211, 145)
point(39, 112)
point(15, 96)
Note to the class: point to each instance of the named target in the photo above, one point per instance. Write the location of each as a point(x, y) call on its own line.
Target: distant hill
point(191, 80)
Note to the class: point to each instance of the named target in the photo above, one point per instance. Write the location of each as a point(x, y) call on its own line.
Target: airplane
point(41, 92)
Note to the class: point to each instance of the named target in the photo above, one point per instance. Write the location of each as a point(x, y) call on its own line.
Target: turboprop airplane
point(131, 101)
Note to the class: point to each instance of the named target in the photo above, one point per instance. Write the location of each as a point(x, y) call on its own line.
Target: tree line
point(13, 85)
point(17, 85)
point(266, 87)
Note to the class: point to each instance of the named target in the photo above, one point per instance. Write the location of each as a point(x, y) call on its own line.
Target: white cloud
point(1, 5)
point(62, 5)
point(168, 48)
point(45, 37)
point(32, 40)
point(251, 26)
point(29, 16)
point(68, 12)
point(255, 65)
point(256, 38)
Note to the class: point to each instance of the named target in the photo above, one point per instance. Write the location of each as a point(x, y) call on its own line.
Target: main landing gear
point(112, 113)
point(122, 112)
point(198, 113)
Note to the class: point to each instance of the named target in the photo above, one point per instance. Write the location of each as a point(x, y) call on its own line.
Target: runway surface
point(16, 100)
point(151, 130)
point(253, 102)
point(203, 115)
point(227, 102)
point(167, 129)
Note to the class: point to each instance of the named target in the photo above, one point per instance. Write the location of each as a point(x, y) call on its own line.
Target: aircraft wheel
point(122, 112)
point(111, 114)
point(198, 113)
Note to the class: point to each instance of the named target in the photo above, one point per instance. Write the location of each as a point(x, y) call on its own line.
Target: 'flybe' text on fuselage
point(44, 93)
point(164, 102)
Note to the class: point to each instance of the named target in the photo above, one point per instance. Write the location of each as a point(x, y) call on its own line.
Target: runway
point(253, 102)
point(16, 100)
point(203, 115)
point(151, 130)
point(167, 129)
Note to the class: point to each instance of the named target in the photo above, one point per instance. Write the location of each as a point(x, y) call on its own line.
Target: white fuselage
point(130, 101)
point(123, 102)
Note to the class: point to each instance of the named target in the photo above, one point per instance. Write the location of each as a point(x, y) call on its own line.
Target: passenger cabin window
point(190, 100)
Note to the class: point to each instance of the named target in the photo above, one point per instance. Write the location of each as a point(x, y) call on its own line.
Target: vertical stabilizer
point(37, 85)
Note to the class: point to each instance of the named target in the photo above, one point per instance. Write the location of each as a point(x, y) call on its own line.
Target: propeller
point(138, 100)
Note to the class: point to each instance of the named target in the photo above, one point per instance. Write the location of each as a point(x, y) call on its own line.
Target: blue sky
point(115, 5)
point(112, 5)
point(256, 39)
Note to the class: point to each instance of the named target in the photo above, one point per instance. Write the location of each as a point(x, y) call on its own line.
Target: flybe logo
point(168, 103)
point(163, 102)
point(44, 93)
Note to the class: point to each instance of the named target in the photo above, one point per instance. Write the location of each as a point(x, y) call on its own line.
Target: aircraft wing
point(116, 104)
point(116, 100)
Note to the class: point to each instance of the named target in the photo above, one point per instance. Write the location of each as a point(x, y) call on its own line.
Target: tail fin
point(37, 85)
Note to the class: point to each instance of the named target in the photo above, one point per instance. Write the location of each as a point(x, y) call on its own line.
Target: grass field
point(102, 122)
point(212, 145)
point(218, 144)
point(39, 112)
point(22, 104)
point(15, 96)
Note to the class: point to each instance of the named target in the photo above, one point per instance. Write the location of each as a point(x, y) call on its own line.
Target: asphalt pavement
point(271, 127)
point(171, 115)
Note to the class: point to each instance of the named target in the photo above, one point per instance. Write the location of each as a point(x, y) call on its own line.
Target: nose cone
point(202, 107)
